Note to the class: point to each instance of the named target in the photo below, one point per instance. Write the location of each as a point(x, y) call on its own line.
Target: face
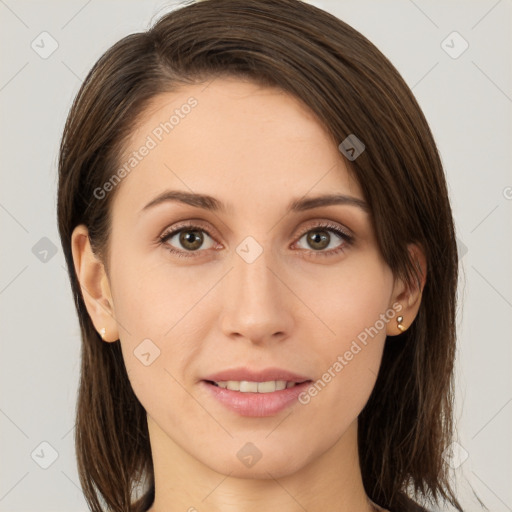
point(255, 281)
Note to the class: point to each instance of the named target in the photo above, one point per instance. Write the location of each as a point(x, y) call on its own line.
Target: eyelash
point(348, 239)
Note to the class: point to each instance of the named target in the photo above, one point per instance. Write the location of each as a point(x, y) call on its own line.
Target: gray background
point(467, 101)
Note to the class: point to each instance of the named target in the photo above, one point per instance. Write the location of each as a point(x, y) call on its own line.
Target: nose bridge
point(255, 281)
point(255, 304)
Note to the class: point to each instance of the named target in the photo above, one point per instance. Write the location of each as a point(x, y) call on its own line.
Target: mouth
point(245, 386)
point(254, 398)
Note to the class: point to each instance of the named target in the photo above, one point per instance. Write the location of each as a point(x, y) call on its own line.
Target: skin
point(255, 149)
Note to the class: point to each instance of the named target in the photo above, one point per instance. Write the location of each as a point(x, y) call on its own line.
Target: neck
point(330, 482)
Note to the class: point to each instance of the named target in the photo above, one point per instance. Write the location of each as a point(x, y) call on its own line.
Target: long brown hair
point(353, 89)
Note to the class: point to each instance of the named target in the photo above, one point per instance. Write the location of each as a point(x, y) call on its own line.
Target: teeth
point(248, 387)
point(255, 387)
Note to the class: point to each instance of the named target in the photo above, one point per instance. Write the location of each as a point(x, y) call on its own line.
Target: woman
point(261, 248)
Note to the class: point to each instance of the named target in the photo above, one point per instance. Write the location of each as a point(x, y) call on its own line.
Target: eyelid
point(326, 224)
point(186, 224)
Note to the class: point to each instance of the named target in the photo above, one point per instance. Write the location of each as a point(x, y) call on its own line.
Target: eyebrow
point(211, 203)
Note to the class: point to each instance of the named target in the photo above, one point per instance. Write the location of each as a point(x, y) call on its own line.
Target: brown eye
point(318, 239)
point(191, 240)
point(187, 239)
point(325, 240)
point(321, 238)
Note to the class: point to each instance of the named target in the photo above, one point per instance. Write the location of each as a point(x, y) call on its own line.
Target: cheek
point(152, 299)
point(354, 308)
point(156, 310)
point(349, 299)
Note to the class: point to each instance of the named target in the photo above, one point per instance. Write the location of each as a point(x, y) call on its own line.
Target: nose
point(256, 304)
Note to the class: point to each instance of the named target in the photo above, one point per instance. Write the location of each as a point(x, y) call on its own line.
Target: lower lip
point(256, 404)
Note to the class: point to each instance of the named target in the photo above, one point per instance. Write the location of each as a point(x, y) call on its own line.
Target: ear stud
point(399, 320)
point(102, 333)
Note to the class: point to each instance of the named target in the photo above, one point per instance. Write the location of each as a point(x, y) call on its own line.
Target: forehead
point(232, 139)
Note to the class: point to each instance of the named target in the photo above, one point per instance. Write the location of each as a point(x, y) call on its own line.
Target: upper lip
point(264, 375)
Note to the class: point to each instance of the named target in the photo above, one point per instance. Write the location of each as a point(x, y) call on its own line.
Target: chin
point(250, 463)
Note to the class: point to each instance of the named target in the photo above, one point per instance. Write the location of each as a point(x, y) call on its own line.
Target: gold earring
point(399, 320)
point(102, 333)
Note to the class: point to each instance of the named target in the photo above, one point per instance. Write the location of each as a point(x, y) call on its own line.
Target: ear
point(409, 295)
point(94, 284)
